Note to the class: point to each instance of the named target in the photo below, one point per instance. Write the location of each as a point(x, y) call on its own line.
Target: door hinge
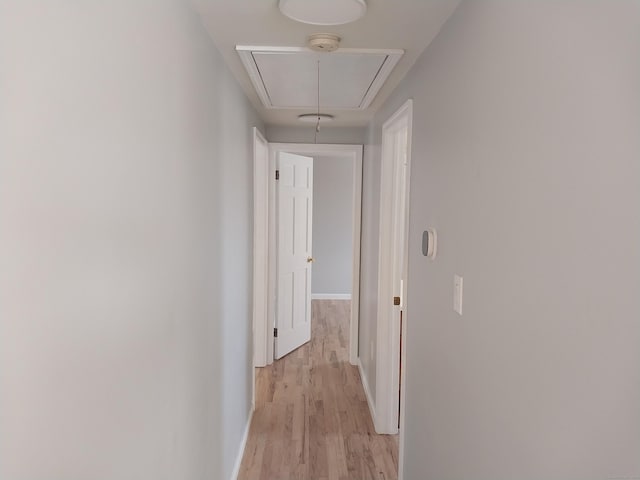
point(277, 174)
point(396, 300)
point(275, 332)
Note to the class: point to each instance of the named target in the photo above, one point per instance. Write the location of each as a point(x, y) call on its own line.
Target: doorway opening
point(266, 293)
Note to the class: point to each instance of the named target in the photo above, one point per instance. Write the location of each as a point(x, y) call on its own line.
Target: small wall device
point(429, 243)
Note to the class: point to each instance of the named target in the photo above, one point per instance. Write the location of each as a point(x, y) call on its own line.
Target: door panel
point(399, 242)
point(392, 275)
point(294, 243)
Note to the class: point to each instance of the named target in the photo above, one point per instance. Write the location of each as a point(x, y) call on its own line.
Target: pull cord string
point(315, 137)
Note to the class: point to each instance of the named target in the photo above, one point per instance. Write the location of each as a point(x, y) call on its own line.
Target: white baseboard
point(330, 296)
point(243, 444)
point(367, 393)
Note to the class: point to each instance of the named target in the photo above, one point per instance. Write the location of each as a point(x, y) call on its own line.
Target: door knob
point(309, 259)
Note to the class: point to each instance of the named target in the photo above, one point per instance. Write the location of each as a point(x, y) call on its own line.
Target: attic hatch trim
point(246, 52)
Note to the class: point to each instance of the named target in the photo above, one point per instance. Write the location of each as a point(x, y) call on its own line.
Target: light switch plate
point(457, 294)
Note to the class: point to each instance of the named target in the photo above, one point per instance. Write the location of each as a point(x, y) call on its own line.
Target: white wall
point(525, 159)
point(332, 225)
point(306, 134)
point(125, 244)
point(369, 245)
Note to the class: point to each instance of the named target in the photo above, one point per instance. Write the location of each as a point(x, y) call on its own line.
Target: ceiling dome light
point(313, 117)
point(324, 12)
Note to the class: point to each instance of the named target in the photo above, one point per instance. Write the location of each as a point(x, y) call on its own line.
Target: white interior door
point(399, 253)
point(392, 263)
point(294, 208)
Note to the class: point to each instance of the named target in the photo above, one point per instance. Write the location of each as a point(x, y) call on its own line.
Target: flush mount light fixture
point(324, 12)
point(313, 117)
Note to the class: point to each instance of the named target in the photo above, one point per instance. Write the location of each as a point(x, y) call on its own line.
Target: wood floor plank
point(312, 420)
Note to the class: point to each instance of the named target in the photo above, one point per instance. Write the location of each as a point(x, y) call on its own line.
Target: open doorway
point(265, 296)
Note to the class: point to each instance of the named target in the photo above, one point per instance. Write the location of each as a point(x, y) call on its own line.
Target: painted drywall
point(369, 247)
point(125, 245)
point(332, 225)
point(525, 160)
point(306, 134)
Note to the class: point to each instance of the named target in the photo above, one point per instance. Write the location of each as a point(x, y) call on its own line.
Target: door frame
point(388, 353)
point(263, 333)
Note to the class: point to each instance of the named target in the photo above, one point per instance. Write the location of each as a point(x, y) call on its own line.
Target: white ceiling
point(409, 25)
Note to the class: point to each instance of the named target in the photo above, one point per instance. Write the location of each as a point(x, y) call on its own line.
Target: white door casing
point(392, 273)
point(294, 251)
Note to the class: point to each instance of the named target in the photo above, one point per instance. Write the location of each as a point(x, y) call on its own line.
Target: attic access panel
point(286, 77)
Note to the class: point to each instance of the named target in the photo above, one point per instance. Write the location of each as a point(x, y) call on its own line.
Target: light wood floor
point(311, 420)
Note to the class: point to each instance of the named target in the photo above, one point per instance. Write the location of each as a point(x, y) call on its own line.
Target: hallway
point(311, 419)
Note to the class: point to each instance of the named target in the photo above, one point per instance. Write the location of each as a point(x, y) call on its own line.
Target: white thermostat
point(429, 243)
